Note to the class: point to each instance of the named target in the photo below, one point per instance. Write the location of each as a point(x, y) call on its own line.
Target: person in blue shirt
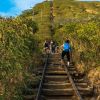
point(66, 52)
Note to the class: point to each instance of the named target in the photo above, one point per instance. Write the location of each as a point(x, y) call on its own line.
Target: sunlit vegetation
point(85, 40)
point(18, 49)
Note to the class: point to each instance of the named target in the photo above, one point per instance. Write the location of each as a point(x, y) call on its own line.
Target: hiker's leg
point(62, 57)
point(68, 58)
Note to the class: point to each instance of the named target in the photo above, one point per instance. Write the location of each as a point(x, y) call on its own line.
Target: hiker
point(47, 46)
point(52, 46)
point(66, 51)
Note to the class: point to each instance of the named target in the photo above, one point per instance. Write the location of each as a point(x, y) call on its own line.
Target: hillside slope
point(77, 20)
point(64, 11)
point(80, 22)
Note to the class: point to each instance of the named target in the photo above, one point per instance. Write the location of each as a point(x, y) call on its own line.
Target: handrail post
point(42, 79)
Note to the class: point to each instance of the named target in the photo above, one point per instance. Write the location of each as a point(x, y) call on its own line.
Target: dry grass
point(80, 67)
point(91, 11)
point(94, 76)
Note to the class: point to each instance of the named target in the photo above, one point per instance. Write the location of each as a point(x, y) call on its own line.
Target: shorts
point(47, 48)
point(67, 53)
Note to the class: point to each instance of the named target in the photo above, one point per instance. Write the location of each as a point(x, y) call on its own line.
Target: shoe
point(68, 63)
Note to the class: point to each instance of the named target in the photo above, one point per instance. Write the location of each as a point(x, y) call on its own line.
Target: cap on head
point(67, 41)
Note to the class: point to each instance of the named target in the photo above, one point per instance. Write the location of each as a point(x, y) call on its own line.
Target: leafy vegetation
point(84, 39)
point(17, 51)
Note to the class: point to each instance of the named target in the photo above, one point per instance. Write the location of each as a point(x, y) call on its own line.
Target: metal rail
point(73, 84)
point(70, 78)
point(42, 79)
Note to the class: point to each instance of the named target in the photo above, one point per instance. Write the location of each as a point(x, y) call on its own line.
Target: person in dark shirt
point(47, 46)
point(52, 46)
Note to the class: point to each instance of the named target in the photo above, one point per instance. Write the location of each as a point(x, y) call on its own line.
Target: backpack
point(66, 47)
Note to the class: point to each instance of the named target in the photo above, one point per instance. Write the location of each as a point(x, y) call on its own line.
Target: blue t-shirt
point(66, 47)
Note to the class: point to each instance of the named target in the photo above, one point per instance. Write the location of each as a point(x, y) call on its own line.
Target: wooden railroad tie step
point(71, 68)
point(54, 63)
point(54, 68)
point(79, 80)
point(85, 91)
point(54, 58)
point(55, 85)
point(56, 78)
point(68, 91)
point(83, 85)
point(56, 72)
point(60, 97)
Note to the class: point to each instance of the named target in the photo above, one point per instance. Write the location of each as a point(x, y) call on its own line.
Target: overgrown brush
point(18, 49)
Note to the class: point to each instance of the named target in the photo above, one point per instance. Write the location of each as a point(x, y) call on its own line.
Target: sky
point(15, 7)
